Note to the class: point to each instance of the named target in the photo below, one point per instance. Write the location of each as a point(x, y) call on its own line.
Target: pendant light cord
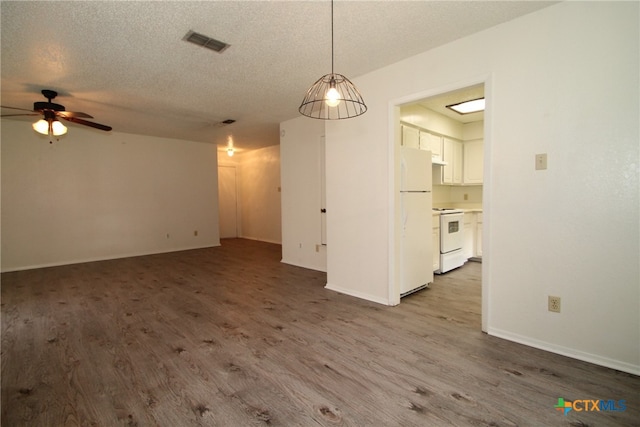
point(332, 96)
point(331, 36)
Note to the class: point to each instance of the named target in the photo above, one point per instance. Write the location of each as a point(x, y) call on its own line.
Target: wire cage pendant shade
point(346, 101)
point(332, 96)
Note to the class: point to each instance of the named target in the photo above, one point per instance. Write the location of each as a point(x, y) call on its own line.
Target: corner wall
point(93, 196)
point(300, 145)
point(577, 65)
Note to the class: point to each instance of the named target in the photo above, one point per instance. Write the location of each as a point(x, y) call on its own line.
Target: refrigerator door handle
point(405, 217)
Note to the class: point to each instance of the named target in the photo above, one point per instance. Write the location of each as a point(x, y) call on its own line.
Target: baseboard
point(259, 239)
point(565, 351)
point(105, 258)
point(298, 264)
point(357, 294)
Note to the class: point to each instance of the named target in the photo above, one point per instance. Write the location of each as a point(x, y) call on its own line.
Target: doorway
point(228, 201)
point(427, 114)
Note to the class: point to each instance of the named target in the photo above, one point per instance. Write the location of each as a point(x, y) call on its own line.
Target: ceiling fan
point(51, 112)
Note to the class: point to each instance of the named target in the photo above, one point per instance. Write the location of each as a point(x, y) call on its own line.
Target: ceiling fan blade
point(23, 114)
point(67, 114)
point(15, 108)
point(87, 123)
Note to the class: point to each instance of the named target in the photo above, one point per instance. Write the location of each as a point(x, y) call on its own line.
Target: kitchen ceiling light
point(468, 107)
point(332, 96)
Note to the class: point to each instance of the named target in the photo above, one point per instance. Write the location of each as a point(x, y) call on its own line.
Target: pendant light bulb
point(332, 97)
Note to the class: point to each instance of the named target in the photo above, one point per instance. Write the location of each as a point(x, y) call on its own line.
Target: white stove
point(451, 239)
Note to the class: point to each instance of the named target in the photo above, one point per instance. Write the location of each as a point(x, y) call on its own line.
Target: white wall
point(473, 130)
point(93, 196)
point(574, 230)
point(259, 179)
point(300, 145)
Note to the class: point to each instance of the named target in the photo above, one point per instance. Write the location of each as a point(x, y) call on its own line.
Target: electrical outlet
point(541, 161)
point(195, 233)
point(466, 196)
point(554, 304)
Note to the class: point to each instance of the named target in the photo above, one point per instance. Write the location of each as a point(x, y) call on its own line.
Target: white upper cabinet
point(433, 143)
point(473, 161)
point(452, 156)
point(457, 162)
point(410, 137)
point(463, 160)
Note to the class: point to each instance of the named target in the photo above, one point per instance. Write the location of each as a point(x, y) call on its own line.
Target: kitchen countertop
point(464, 210)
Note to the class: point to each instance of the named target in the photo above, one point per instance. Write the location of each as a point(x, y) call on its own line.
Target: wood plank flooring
point(230, 336)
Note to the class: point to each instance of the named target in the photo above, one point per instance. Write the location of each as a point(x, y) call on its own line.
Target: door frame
point(394, 139)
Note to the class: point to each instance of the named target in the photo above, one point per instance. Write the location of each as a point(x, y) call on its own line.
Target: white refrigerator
point(416, 266)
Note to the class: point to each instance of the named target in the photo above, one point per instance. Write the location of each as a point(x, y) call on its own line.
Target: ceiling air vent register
point(223, 123)
point(205, 41)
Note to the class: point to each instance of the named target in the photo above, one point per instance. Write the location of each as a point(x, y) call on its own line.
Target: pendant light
point(332, 96)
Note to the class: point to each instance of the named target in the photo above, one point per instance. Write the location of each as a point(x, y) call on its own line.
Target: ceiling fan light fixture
point(57, 128)
point(41, 126)
point(49, 127)
point(332, 96)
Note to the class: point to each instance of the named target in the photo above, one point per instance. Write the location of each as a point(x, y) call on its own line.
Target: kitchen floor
point(455, 295)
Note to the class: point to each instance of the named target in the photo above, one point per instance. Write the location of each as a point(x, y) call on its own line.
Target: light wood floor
point(230, 336)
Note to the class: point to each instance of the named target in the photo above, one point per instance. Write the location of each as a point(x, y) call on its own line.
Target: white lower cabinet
point(479, 234)
point(472, 224)
point(469, 227)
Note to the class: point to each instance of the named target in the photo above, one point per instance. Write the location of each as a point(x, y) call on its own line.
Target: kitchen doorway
point(456, 183)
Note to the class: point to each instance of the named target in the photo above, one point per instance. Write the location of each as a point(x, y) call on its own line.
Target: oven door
point(451, 237)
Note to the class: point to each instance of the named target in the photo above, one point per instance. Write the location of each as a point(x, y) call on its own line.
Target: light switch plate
point(541, 161)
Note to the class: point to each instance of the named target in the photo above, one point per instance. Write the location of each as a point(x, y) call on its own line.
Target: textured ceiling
point(125, 63)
